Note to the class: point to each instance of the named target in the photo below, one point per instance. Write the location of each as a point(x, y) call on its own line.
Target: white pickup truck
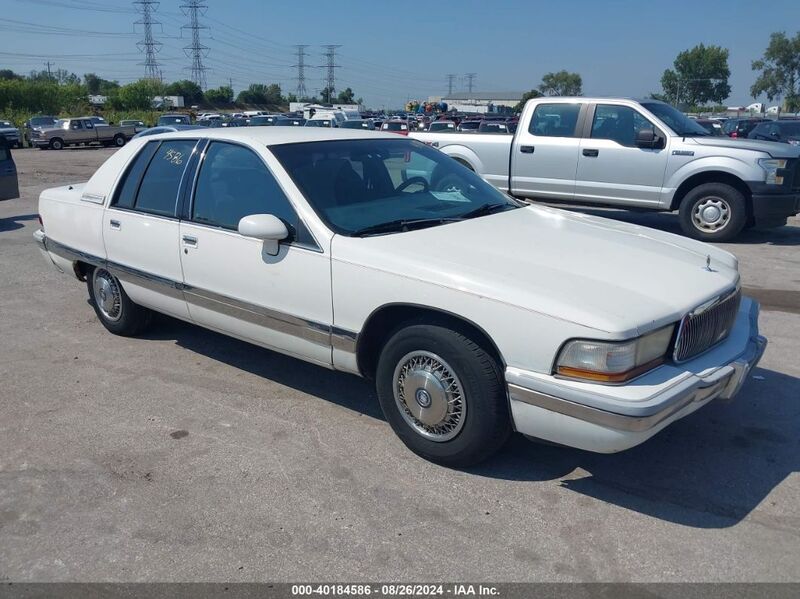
point(638, 155)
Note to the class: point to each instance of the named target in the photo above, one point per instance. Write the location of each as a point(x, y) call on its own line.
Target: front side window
point(618, 123)
point(378, 186)
point(233, 183)
point(158, 191)
point(555, 120)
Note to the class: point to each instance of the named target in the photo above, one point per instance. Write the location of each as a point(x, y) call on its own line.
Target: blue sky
point(392, 51)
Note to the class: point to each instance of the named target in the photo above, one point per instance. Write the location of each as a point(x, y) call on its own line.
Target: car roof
point(278, 135)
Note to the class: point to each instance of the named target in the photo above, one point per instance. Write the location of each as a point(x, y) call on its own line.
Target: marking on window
point(174, 157)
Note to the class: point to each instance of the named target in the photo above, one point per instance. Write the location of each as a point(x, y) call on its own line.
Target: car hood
point(607, 275)
point(774, 149)
point(9, 130)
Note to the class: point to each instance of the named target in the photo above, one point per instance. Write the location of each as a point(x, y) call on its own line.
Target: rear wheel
point(119, 140)
point(113, 306)
point(442, 393)
point(713, 212)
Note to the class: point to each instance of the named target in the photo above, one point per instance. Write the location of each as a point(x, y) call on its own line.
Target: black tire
point(130, 320)
point(56, 143)
point(715, 198)
point(119, 140)
point(485, 423)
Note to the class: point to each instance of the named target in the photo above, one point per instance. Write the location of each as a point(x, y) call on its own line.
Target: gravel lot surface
point(186, 455)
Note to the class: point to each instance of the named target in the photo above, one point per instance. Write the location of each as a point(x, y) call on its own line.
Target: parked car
point(439, 126)
point(359, 124)
point(174, 119)
point(265, 120)
point(395, 126)
point(73, 132)
point(326, 234)
point(469, 126)
point(137, 125)
point(37, 123)
point(165, 129)
point(786, 131)
point(494, 127)
point(9, 184)
point(291, 122)
point(739, 128)
point(635, 154)
point(10, 133)
point(713, 126)
point(326, 123)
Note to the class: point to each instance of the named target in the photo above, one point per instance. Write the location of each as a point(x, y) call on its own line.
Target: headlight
point(613, 361)
point(771, 166)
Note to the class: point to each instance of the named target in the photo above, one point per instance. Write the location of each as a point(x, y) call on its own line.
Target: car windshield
point(470, 125)
point(395, 126)
point(318, 123)
point(442, 126)
point(676, 120)
point(354, 124)
point(378, 186)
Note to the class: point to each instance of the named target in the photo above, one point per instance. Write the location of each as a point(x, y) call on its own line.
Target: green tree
point(780, 70)
point(534, 93)
point(9, 75)
point(346, 97)
point(561, 83)
point(97, 85)
point(191, 92)
point(260, 94)
point(220, 96)
point(700, 76)
point(327, 95)
point(137, 95)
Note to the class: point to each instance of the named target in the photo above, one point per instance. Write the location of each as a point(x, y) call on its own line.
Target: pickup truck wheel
point(713, 212)
point(443, 395)
point(113, 306)
point(119, 140)
point(56, 144)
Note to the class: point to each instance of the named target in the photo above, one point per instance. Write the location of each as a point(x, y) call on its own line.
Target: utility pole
point(196, 50)
point(148, 45)
point(301, 91)
point(331, 66)
point(470, 77)
point(450, 80)
point(49, 74)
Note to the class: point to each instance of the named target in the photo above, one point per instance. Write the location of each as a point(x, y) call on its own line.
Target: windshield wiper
point(402, 224)
point(483, 210)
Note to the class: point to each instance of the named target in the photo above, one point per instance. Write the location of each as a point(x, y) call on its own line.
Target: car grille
point(706, 326)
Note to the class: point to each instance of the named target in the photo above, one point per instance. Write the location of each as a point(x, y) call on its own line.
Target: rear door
point(141, 229)
point(544, 156)
point(611, 168)
point(9, 185)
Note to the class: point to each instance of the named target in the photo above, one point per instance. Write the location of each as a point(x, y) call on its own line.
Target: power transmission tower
point(450, 80)
point(470, 77)
point(196, 50)
point(148, 45)
point(331, 66)
point(301, 70)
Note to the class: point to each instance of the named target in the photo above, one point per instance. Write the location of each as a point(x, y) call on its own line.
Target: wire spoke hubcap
point(429, 396)
point(711, 214)
point(107, 294)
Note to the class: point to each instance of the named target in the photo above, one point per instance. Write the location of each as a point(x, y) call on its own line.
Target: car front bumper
point(608, 419)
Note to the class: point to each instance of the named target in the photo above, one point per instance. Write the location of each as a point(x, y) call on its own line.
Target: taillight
point(734, 134)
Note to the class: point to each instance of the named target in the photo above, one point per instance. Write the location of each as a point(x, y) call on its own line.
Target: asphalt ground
point(185, 455)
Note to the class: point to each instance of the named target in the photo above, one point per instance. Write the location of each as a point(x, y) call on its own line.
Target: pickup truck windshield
point(676, 120)
point(378, 186)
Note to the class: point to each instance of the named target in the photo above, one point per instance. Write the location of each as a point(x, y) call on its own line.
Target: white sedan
point(378, 255)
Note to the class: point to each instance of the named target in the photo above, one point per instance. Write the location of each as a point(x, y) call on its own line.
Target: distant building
point(482, 102)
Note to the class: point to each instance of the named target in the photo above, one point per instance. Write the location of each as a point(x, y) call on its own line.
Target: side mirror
point(267, 227)
point(647, 138)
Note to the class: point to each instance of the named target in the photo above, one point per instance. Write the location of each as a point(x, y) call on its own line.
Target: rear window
point(470, 125)
point(555, 120)
point(394, 127)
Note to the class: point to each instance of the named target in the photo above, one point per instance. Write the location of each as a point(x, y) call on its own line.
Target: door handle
point(189, 240)
point(527, 149)
point(591, 153)
point(115, 224)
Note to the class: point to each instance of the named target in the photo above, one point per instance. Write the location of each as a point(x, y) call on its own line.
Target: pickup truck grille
point(706, 326)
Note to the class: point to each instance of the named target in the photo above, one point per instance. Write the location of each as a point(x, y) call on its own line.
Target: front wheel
point(713, 212)
point(443, 395)
point(113, 306)
point(119, 140)
point(56, 144)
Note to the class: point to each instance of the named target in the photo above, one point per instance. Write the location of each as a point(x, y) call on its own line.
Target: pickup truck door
point(611, 168)
point(9, 185)
point(141, 230)
point(233, 283)
point(544, 155)
point(80, 131)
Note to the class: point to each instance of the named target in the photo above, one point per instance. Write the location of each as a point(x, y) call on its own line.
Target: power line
point(470, 77)
point(331, 66)
point(148, 45)
point(196, 50)
point(450, 80)
point(301, 70)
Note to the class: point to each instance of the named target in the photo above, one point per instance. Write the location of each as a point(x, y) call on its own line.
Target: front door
point(611, 168)
point(231, 282)
point(545, 155)
point(141, 229)
point(9, 185)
